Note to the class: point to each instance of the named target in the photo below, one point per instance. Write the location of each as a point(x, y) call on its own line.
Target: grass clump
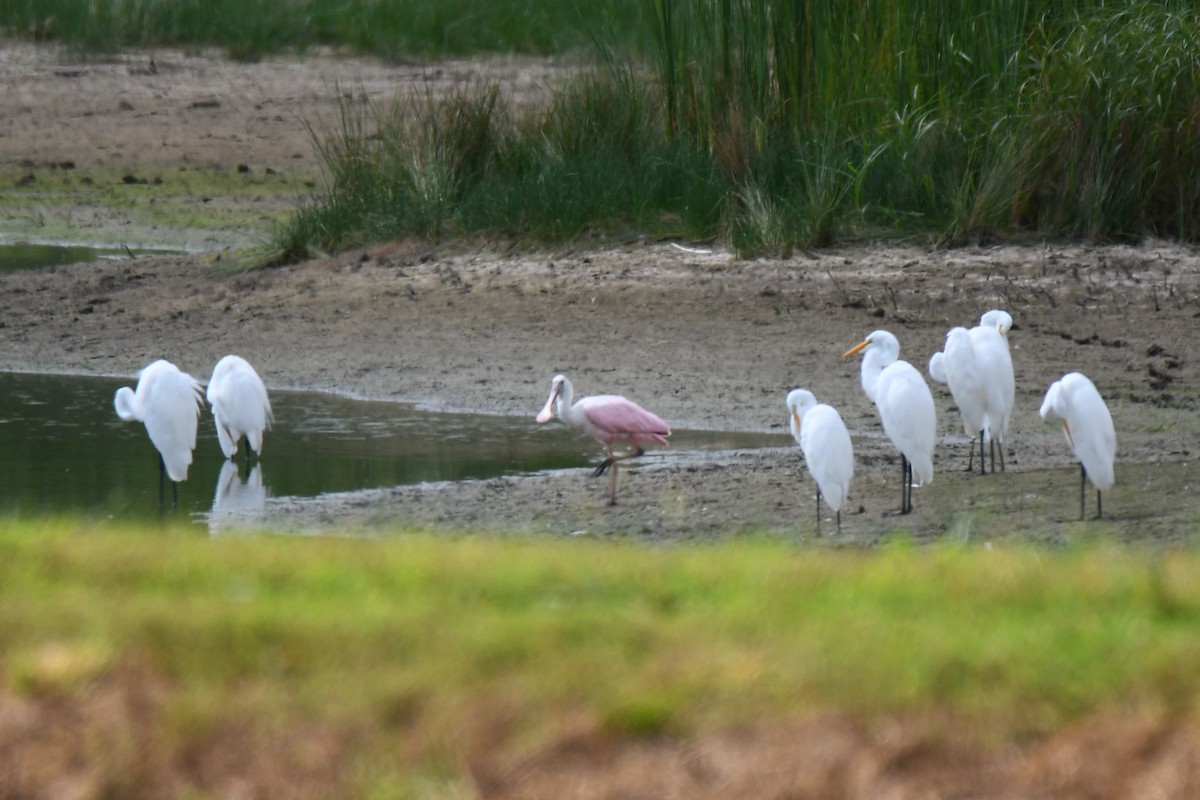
point(778, 124)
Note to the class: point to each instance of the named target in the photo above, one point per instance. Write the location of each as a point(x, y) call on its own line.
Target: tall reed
point(1057, 118)
point(781, 123)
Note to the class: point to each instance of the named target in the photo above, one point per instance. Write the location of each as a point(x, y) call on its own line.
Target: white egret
point(996, 368)
point(168, 402)
point(825, 442)
point(240, 405)
point(957, 367)
point(608, 419)
point(1074, 401)
point(905, 407)
point(998, 320)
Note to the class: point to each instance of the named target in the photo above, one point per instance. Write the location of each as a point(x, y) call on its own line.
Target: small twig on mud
point(892, 295)
point(838, 286)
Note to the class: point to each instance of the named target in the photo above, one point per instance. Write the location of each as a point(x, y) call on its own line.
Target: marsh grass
point(780, 124)
point(428, 640)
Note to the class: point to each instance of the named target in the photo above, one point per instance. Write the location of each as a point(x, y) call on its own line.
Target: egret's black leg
point(818, 511)
point(910, 487)
point(1082, 488)
point(971, 458)
point(1099, 507)
point(905, 485)
point(246, 439)
point(982, 463)
point(1001, 448)
point(839, 520)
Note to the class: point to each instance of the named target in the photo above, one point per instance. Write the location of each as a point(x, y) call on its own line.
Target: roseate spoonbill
point(957, 367)
point(608, 419)
point(905, 407)
point(168, 401)
point(240, 405)
point(1074, 401)
point(825, 442)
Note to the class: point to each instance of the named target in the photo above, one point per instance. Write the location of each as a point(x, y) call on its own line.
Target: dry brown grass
point(114, 738)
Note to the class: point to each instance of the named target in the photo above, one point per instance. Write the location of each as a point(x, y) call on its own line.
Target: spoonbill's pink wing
point(616, 419)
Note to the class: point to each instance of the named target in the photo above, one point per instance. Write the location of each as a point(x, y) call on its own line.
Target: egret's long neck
point(128, 405)
point(873, 363)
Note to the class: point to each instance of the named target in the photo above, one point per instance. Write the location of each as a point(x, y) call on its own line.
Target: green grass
point(425, 638)
point(773, 125)
point(399, 29)
point(182, 208)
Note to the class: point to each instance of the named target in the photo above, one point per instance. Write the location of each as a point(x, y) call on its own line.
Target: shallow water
point(23, 255)
point(63, 449)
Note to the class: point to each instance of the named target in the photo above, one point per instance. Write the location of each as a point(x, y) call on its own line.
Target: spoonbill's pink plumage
point(609, 419)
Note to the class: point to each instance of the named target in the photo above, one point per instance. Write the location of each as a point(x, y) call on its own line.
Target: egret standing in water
point(168, 402)
point(240, 405)
point(825, 442)
point(905, 407)
point(608, 419)
point(1074, 401)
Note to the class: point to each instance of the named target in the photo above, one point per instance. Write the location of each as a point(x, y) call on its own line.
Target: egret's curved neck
point(128, 405)
point(874, 362)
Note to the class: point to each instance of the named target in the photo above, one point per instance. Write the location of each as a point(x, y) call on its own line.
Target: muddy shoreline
point(701, 337)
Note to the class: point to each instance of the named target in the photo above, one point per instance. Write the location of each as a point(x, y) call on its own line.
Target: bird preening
point(169, 402)
point(1074, 401)
point(240, 406)
point(977, 367)
point(609, 419)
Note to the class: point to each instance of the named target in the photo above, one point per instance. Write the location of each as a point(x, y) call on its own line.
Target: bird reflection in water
point(237, 501)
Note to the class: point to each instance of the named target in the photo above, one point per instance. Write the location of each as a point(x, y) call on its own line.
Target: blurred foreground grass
point(416, 641)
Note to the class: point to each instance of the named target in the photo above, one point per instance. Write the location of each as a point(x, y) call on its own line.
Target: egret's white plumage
point(995, 367)
point(825, 442)
point(168, 402)
point(977, 367)
point(240, 405)
point(608, 419)
point(997, 319)
point(965, 379)
point(1074, 401)
point(905, 406)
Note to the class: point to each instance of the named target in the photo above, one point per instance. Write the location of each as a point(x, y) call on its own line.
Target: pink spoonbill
point(607, 418)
